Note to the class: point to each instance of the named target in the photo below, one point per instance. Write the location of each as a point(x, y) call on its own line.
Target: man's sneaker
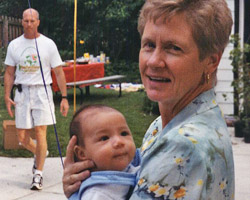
point(37, 182)
point(34, 164)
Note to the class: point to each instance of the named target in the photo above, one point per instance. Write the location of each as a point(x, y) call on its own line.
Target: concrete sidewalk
point(241, 151)
point(16, 176)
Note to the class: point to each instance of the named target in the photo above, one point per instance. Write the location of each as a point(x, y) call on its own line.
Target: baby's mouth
point(119, 155)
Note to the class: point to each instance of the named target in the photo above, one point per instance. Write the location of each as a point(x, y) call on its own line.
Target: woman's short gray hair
point(210, 20)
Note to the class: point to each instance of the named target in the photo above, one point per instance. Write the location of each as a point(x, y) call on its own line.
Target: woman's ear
point(213, 62)
point(79, 153)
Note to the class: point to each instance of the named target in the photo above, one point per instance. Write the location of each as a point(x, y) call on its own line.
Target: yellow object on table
point(86, 55)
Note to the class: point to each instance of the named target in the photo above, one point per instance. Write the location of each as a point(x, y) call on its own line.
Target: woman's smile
point(159, 79)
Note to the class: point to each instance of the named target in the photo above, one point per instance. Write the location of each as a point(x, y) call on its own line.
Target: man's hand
point(9, 103)
point(64, 107)
point(74, 172)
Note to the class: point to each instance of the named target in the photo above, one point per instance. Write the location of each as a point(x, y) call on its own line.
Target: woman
point(186, 152)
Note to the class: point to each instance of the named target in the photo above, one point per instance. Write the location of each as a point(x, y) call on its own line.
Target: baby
point(104, 137)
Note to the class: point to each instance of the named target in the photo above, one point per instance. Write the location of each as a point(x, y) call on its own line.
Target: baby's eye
point(124, 133)
point(104, 138)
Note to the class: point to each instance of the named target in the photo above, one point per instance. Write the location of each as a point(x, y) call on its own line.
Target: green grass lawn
point(130, 104)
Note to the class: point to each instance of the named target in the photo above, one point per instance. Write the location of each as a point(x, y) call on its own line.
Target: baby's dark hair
point(75, 127)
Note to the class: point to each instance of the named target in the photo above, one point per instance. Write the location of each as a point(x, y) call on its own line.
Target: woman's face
point(169, 61)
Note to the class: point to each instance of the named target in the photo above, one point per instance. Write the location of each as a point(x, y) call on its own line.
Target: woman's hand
point(74, 172)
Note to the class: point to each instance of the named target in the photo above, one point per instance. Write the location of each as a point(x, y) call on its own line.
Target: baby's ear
point(79, 153)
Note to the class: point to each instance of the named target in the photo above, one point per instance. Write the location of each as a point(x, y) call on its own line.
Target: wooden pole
point(75, 28)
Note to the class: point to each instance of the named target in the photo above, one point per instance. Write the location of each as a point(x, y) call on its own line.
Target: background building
point(224, 91)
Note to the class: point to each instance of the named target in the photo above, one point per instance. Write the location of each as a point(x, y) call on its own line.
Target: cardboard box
point(10, 139)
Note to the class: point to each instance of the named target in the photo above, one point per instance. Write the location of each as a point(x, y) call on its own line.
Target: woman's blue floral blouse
point(189, 159)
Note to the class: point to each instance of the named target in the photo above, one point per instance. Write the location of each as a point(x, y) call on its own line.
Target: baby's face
point(108, 141)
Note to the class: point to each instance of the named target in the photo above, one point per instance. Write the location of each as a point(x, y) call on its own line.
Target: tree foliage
point(105, 25)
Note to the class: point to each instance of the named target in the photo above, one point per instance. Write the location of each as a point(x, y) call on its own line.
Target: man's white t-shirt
point(22, 54)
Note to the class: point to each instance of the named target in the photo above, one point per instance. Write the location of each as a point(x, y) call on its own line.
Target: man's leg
point(40, 153)
point(26, 140)
point(41, 147)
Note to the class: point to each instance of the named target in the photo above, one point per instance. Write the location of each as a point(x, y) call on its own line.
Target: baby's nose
point(118, 141)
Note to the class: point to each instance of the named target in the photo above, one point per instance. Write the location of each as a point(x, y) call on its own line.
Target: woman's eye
point(150, 45)
point(124, 133)
point(173, 48)
point(176, 48)
point(104, 138)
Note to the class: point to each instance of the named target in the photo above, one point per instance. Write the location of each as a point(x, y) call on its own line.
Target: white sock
point(38, 172)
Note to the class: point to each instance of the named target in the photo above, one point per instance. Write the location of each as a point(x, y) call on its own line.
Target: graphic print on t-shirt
point(29, 61)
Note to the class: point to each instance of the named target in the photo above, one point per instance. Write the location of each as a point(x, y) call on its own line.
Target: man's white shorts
point(33, 107)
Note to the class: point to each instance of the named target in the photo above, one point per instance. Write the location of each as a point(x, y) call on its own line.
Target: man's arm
point(9, 77)
point(61, 81)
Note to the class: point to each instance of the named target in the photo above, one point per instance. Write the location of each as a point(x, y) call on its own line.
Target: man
point(34, 106)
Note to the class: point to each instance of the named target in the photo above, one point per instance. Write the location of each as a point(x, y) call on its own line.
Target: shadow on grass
point(96, 95)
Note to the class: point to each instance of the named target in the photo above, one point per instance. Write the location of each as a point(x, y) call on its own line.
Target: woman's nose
point(156, 59)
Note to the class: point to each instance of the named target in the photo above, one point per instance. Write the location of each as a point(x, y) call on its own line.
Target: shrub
point(241, 83)
point(2, 57)
point(150, 107)
point(128, 68)
point(66, 55)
